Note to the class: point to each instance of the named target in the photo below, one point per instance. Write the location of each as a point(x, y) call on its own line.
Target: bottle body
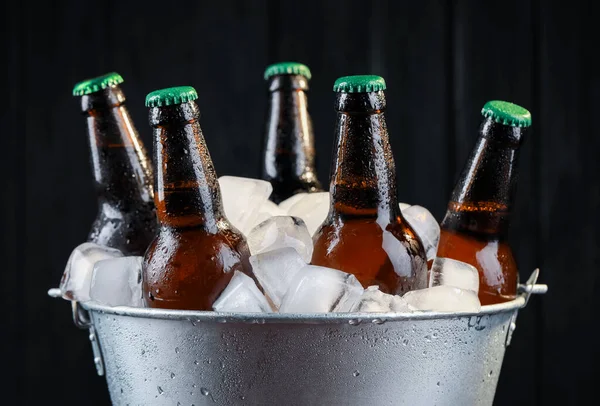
point(365, 233)
point(288, 144)
point(126, 218)
point(475, 227)
point(196, 251)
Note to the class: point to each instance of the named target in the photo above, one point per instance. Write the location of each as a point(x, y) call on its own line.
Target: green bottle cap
point(359, 84)
point(96, 84)
point(287, 68)
point(507, 113)
point(171, 95)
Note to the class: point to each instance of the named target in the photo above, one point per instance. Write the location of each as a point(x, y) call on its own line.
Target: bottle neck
point(289, 142)
point(483, 197)
point(122, 171)
point(363, 180)
point(187, 191)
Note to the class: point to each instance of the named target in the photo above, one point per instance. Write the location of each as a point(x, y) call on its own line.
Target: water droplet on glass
point(143, 352)
point(172, 375)
point(160, 391)
point(354, 322)
point(377, 321)
point(204, 391)
point(491, 373)
point(195, 362)
point(355, 373)
point(243, 397)
point(438, 384)
point(177, 350)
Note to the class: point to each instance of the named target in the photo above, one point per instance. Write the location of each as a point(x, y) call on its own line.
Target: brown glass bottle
point(288, 144)
point(196, 250)
point(365, 233)
point(123, 176)
point(475, 228)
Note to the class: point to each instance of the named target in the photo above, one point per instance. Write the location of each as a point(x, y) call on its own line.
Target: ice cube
point(266, 211)
point(242, 295)
point(76, 280)
point(443, 299)
point(450, 272)
point(242, 199)
point(118, 282)
point(375, 301)
point(312, 208)
point(279, 232)
point(316, 289)
point(403, 206)
point(275, 270)
point(290, 201)
point(426, 227)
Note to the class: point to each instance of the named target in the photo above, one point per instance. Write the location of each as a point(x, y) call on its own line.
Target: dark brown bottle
point(475, 228)
point(289, 151)
point(196, 250)
point(122, 172)
point(365, 233)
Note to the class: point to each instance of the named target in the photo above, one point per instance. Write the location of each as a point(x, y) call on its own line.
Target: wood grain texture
point(442, 61)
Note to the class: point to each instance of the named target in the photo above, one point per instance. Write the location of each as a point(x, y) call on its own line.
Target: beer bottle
point(364, 233)
point(289, 151)
point(123, 176)
point(196, 250)
point(475, 227)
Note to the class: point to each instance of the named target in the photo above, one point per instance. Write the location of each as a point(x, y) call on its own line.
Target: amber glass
point(475, 228)
point(289, 151)
point(122, 174)
point(196, 250)
point(365, 233)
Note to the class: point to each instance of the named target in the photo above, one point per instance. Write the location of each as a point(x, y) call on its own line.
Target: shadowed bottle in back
point(364, 233)
point(288, 144)
point(122, 170)
point(475, 228)
point(196, 250)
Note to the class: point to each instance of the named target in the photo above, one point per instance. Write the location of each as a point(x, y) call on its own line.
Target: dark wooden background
point(442, 61)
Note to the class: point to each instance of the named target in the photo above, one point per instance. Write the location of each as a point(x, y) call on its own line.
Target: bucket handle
point(82, 319)
point(529, 288)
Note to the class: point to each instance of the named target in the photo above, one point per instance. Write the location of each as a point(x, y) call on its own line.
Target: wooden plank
point(570, 197)
point(493, 59)
point(415, 62)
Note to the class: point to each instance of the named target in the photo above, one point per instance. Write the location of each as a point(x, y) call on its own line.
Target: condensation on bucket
point(174, 357)
point(285, 360)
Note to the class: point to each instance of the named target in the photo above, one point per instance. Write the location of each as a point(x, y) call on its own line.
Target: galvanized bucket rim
point(301, 318)
point(525, 291)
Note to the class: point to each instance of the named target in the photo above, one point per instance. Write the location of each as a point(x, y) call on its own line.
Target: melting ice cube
point(242, 295)
point(443, 299)
point(275, 270)
point(426, 227)
point(266, 211)
point(316, 289)
point(76, 280)
point(312, 208)
point(279, 232)
point(375, 301)
point(290, 201)
point(118, 282)
point(243, 199)
point(450, 272)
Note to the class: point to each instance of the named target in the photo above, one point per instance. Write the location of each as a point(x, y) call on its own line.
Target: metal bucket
point(167, 357)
